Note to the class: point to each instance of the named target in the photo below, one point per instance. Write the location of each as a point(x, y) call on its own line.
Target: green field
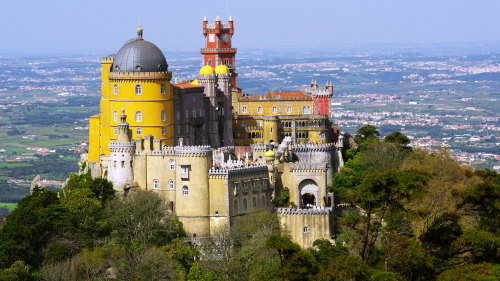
point(11, 206)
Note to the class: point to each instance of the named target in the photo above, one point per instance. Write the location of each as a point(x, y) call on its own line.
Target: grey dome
point(139, 56)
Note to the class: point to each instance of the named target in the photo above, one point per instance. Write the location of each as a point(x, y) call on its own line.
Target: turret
point(121, 154)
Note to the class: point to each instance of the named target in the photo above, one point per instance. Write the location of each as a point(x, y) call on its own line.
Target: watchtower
point(218, 50)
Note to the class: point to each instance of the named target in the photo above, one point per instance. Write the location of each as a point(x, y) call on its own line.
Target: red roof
point(186, 85)
point(287, 95)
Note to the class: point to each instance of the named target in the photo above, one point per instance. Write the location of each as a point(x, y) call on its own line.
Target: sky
point(101, 27)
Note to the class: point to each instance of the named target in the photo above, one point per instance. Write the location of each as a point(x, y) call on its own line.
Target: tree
point(324, 251)
point(182, 252)
point(28, 228)
point(102, 188)
point(397, 138)
point(380, 195)
point(87, 209)
point(18, 271)
point(142, 217)
point(366, 133)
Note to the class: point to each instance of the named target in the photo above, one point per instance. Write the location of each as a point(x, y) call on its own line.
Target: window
point(289, 109)
point(226, 62)
point(138, 131)
point(259, 109)
point(115, 116)
point(259, 123)
point(138, 89)
point(236, 189)
point(171, 206)
point(244, 109)
point(138, 116)
point(306, 110)
point(254, 203)
point(275, 109)
point(264, 185)
point(171, 164)
point(163, 115)
point(116, 131)
point(115, 89)
point(187, 113)
point(194, 113)
point(209, 62)
point(185, 172)
point(162, 89)
point(185, 191)
point(236, 206)
point(245, 187)
point(171, 184)
point(201, 112)
point(243, 123)
point(255, 186)
point(163, 131)
point(178, 115)
point(322, 136)
point(263, 201)
point(244, 204)
point(306, 229)
point(123, 164)
point(156, 184)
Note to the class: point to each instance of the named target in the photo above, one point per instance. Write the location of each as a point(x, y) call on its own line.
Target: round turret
point(222, 69)
point(207, 70)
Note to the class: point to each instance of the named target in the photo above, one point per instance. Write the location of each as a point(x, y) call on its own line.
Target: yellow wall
point(267, 105)
point(94, 123)
point(151, 102)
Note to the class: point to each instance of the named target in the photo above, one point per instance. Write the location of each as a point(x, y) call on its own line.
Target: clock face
point(225, 37)
point(211, 38)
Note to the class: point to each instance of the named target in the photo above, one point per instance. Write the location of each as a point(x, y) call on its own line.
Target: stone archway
point(308, 190)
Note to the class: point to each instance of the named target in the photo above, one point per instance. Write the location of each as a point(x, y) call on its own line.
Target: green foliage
point(28, 227)
point(283, 200)
point(366, 133)
point(397, 138)
point(345, 268)
point(324, 251)
point(87, 209)
point(102, 188)
point(472, 272)
point(18, 271)
point(185, 254)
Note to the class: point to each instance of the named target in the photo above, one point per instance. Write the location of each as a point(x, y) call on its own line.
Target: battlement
point(258, 147)
point(268, 97)
point(308, 166)
point(107, 60)
point(237, 170)
point(115, 146)
point(310, 147)
point(161, 75)
point(313, 211)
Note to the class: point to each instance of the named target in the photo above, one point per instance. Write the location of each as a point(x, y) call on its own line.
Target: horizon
point(99, 27)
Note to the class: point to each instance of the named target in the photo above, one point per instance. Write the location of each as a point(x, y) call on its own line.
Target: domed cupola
point(139, 56)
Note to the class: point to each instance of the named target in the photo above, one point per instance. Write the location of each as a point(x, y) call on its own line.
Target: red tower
point(218, 49)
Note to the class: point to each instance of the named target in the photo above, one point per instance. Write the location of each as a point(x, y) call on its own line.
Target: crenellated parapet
point(116, 146)
point(308, 167)
point(316, 210)
point(258, 147)
point(107, 60)
point(259, 170)
point(310, 147)
point(152, 76)
point(193, 151)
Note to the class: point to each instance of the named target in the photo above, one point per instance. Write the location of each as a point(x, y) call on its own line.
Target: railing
point(218, 50)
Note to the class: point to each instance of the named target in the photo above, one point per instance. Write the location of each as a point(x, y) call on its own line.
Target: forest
point(406, 215)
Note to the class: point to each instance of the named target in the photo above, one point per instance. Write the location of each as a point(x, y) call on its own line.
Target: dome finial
point(139, 33)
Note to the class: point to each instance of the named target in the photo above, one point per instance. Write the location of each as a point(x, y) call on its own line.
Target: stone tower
point(218, 49)
point(121, 153)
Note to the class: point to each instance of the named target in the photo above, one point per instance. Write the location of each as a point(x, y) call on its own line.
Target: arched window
point(185, 191)
point(156, 184)
point(244, 109)
point(244, 204)
point(162, 88)
point(138, 89)
point(209, 62)
point(163, 115)
point(275, 109)
point(171, 164)
point(263, 201)
point(254, 203)
point(115, 116)
point(236, 206)
point(138, 116)
point(259, 109)
point(115, 89)
point(194, 113)
point(171, 184)
point(226, 62)
point(253, 135)
point(289, 109)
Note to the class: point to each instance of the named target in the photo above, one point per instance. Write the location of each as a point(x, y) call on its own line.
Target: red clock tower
point(218, 49)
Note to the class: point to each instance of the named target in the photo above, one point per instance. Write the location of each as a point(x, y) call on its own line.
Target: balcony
point(218, 50)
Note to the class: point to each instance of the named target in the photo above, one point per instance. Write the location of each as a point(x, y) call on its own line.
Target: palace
point(208, 149)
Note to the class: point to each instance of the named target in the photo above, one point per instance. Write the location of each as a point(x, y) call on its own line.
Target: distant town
point(438, 101)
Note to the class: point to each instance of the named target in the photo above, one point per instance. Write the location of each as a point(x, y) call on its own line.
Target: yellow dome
point(195, 82)
point(207, 70)
point(222, 69)
point(270, 154)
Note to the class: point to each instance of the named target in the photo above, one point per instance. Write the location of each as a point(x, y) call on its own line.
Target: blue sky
point(101, 27)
